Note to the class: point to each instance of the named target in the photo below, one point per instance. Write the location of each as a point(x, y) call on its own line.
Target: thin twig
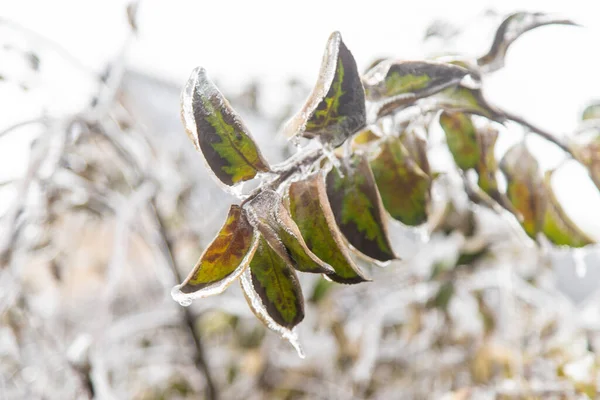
point(540, 132)
point(200, 358)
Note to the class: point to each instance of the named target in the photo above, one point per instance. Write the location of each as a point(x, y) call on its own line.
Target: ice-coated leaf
point(417, 149)
point(310, 209)
point(461, 138)
point(510, 30)
point(267, 213)
point(279, 304)
point(586, 148)
point(224, 259)
point(403, 186)
point(525, 188)
point(591, 112)
point(277, 285)
point(218, 132)
point(397, 84)
point(357, 208)
point(558, 227)
point(467, 100)
point(336, 107)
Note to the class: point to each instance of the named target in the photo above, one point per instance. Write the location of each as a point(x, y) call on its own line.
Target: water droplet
point(180, 297)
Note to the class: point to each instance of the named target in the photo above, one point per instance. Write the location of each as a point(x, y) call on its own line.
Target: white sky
point(550, 74)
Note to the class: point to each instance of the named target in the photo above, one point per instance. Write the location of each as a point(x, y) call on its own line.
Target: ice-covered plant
point(362, 156)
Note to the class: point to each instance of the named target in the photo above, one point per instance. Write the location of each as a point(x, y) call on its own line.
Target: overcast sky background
point(550, 74)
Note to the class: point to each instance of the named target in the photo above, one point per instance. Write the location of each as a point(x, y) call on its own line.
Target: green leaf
point(558, 227)
point(467, 100)
point(510, 30)
point(525, 188)
point(267, 213)
point(277, 285)
point(398, 84)
point(310, 209)
point(591, 112)
point(357, 208)
point(218, 132)
point(224, 259)
point(336, 107)
point(403, 186)
point(461, 137)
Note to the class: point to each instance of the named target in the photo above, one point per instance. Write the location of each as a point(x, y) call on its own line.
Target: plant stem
point(188, 317)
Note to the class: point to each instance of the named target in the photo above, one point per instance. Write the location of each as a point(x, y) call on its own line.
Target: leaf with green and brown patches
point(357, 208)
point(591, 112)
point(488, 166)
point(268, 215)
point(218, 132)
point(525, 188)
point(273, 292)
point(310, 210)
point(467, 100)
point(335, 109)
point(510, 30)
point(461, 137)
point(403, 186)
point(394, 85)
point(277, 285)
point(558, 227)
point(224, 259)
point(586, 149)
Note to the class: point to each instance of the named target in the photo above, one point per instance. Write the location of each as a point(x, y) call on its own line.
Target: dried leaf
point(558, 227)
point(403, 186)
point(267, 213)
point(525, 188)
point(510, 30)
point(357, 208)
point(224, 259)
point(461, 137)
point(398, 84)
point(218, 132)
point(310, 209)
point(336, 107)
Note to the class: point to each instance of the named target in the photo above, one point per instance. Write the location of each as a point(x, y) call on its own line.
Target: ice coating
point(580, 264)
point(297, 124)
point(187, 112)
point(185, 299)
point(260, 311)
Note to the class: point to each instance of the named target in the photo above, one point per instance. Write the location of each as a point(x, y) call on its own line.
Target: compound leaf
point(310, 209)
point(510, 30)
point(403, 186)
point(357, 208)
point(525, 188)
point(224, 259)
point(267, 213)
point(336, 107)
point(218, 132)
point(558, 227)
point(461, 138)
